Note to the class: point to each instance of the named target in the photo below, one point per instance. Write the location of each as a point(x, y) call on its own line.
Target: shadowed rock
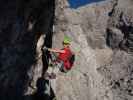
point(18, 43)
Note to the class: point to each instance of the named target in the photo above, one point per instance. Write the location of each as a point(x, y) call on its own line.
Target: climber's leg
point(61, 67)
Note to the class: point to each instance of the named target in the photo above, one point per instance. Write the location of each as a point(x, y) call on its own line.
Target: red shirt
point(65, 57)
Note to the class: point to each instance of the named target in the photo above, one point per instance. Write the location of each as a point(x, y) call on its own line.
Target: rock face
point(87, 28)
point(100, 73)
point(120, 26)
point(102, 42)
point(22, 23)
point(119, 37)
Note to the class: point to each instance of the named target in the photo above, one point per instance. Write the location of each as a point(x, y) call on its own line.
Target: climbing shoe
point(52, 76)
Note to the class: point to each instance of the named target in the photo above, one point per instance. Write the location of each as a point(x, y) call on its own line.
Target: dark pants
point(61, 67)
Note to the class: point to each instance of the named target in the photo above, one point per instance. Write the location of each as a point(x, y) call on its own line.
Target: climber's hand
point(45, 48)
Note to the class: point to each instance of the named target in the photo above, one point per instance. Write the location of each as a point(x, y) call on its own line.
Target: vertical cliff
point(22, 25)
point(102, 39)
point(87, 28)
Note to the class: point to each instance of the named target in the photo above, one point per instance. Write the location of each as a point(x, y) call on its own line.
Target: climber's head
point(66, 41)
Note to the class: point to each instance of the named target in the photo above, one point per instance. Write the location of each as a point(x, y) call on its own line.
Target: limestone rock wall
point(101, 34)
point(119, 38)
point(87, 28)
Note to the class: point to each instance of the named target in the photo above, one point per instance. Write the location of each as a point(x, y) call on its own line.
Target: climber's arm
point(56, 50)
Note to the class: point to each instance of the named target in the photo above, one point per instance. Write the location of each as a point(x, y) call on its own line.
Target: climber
point(66, 57)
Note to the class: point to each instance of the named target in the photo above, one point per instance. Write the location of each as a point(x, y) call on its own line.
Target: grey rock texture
point(121, 19)
point(87, 28)
point(119, 38)
point(101, 39)
point(99, 73)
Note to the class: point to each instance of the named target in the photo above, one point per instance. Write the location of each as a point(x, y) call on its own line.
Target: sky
point(78, 3)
